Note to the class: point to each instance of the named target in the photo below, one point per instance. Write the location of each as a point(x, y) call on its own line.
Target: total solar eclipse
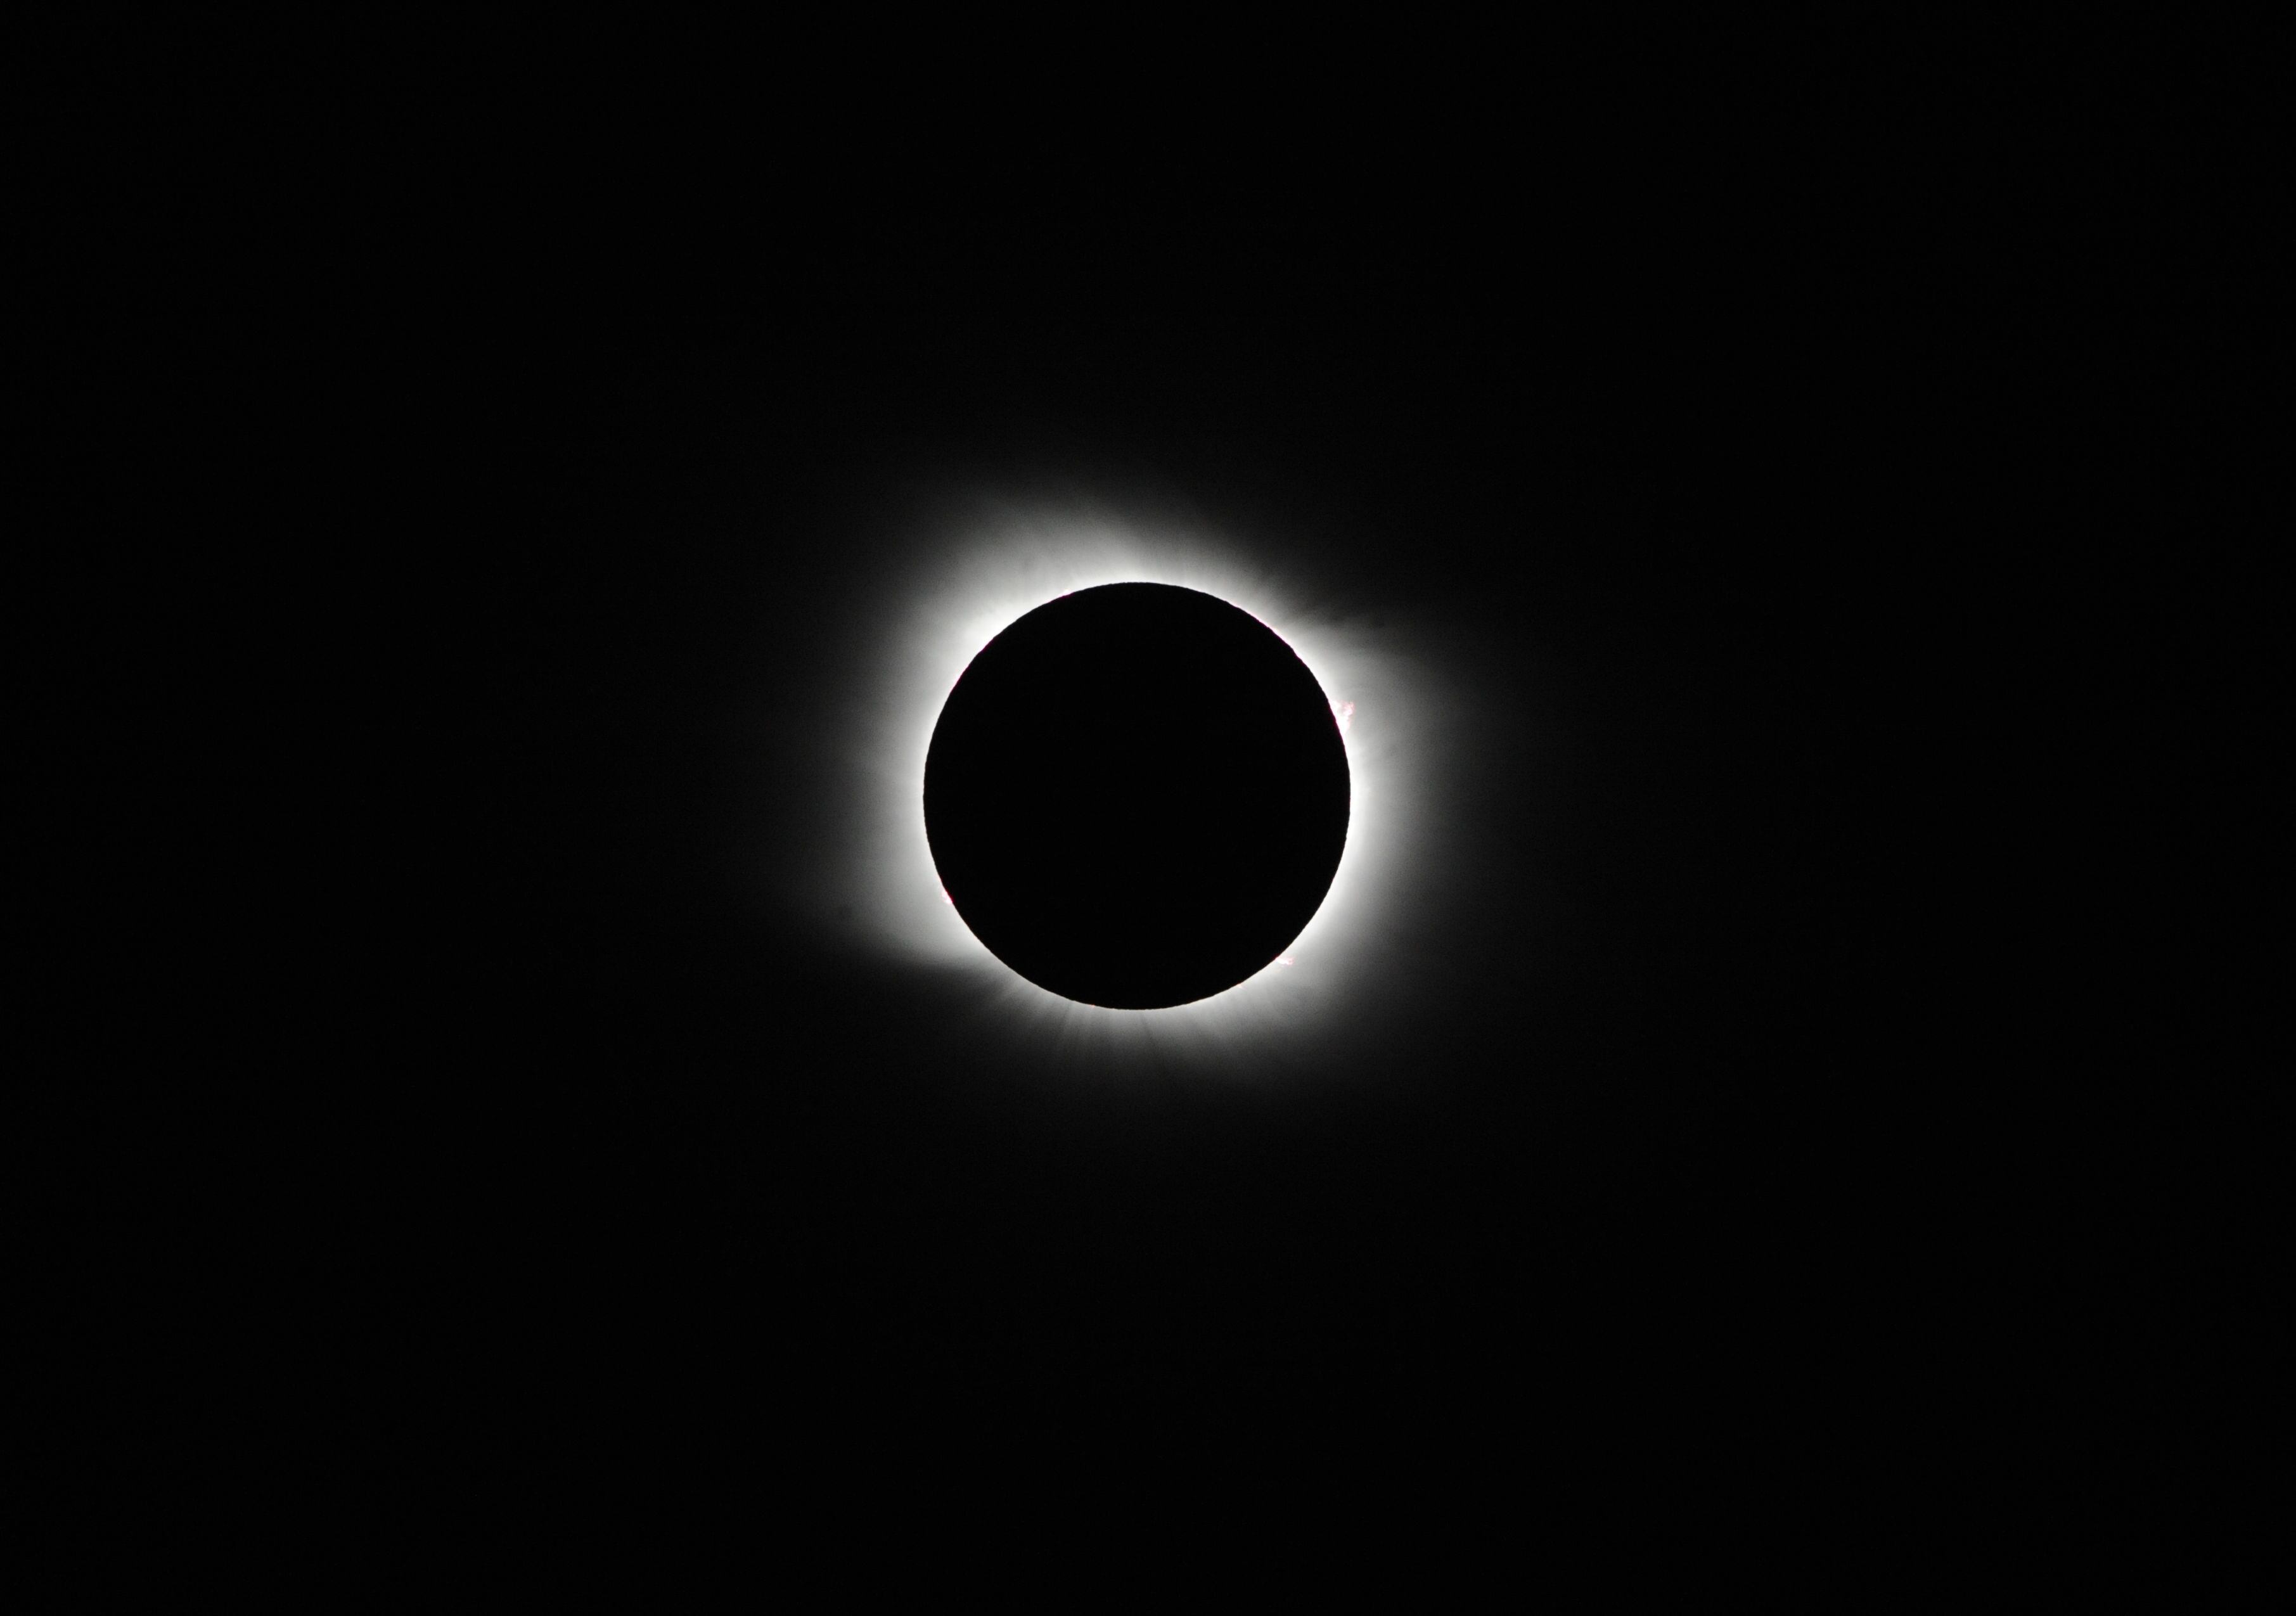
point(1136, 796)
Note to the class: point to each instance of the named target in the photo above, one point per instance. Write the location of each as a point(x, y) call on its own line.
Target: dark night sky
point(579, 452)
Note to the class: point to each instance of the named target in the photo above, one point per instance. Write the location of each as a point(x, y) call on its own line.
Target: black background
point(548, 437)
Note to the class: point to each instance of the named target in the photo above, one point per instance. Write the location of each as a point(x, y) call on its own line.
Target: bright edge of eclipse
point(1353, 955)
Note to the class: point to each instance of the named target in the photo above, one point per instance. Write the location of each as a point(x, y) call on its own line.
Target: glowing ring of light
point(973, 579)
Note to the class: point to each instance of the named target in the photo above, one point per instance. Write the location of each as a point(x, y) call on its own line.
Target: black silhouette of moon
point(1136, 796)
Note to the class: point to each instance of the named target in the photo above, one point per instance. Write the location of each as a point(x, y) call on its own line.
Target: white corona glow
point(955, 592)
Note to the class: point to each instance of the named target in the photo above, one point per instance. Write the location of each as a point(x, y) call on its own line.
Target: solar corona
point(1210, 845)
